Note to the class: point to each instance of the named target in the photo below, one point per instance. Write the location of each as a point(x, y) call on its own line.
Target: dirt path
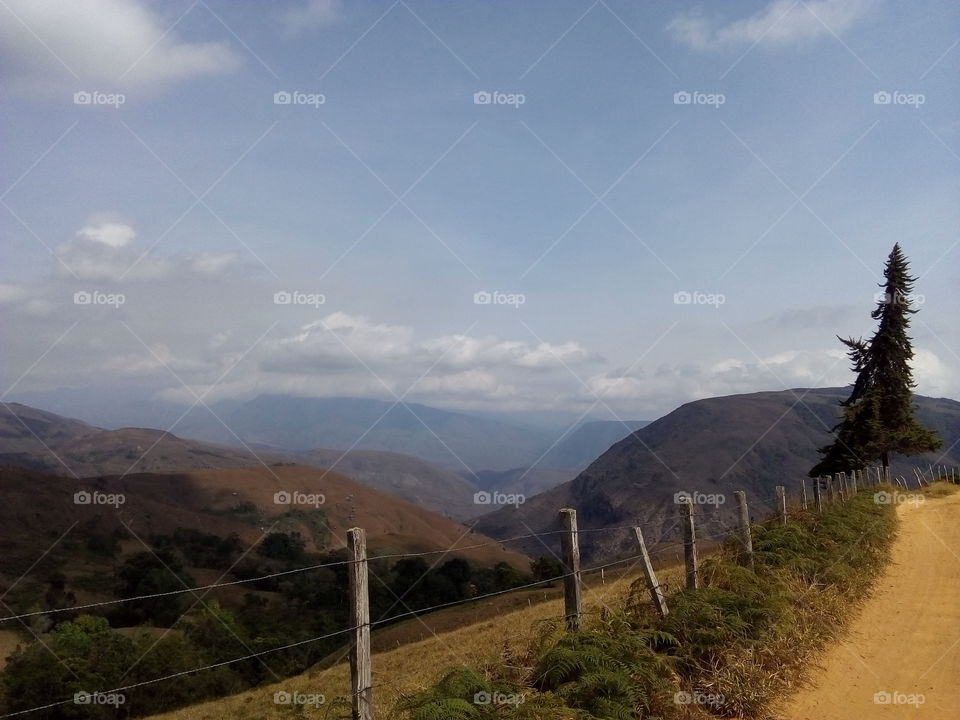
point(905, 642)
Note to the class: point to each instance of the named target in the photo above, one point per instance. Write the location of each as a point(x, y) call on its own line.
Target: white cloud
point(51, 46)
point(308, 15)
point(113, 234)
point(781, 23)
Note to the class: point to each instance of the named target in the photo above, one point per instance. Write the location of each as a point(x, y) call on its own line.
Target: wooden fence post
point(656, 594)
point(746, 539)
point(782, 503)
point(818, 494)
point(853, 482)
point(803, 490)
point(360, 669)
point(690, 544)
point(570, 552)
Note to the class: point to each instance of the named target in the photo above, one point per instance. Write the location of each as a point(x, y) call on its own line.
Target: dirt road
point(902, 656)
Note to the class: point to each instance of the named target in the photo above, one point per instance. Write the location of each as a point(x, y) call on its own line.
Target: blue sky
point(778, 190)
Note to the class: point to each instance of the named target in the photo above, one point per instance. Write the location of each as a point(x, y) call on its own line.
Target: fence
point(826, 490)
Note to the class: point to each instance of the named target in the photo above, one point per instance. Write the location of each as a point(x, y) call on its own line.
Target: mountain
point(417, 481)
point(747, 442)
point(300, 424)
point(48, 442)
point(588, 441)
point(40, 507)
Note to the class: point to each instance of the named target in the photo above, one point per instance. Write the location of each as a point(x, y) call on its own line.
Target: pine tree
point(878, 416)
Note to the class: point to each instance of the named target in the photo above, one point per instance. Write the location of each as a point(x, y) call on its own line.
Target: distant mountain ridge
point(300, 424)
point(749, 442)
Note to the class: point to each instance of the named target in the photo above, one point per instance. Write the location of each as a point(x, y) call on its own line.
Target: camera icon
point(82, 297)
point(282, 498)
point(882, 698)
point(82, 497)
point(82, 698)
point(282, 697)
point(882, 98)
point(682, 697)
point(482, 298)
point(682, 98)
point(482, 498)
point(482, 97)
point(482, 698)
point(682, 497)
point(282, 298)
point(282, 98)
point(82, 98)
point(882, 498)
point(682, 298)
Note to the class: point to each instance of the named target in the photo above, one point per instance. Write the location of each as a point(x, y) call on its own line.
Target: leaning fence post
point(782, 503)
point(746, 539)
point(360, 670)
point(818, 494)
point(690, 544)
point(803, 490)
point(656, 594)
point(570, 551)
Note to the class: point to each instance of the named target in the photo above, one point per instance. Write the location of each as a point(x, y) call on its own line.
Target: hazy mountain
point(447, 438)
point(742, 442)
point(417, 481)
point(588, 441)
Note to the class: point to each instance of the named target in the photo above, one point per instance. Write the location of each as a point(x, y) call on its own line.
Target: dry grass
point(413, 667)
point(9, 640)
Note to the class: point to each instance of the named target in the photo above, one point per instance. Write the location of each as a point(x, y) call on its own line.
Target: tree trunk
point(885, 459)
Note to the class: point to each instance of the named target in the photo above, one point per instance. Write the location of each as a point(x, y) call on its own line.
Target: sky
point(541, 209)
